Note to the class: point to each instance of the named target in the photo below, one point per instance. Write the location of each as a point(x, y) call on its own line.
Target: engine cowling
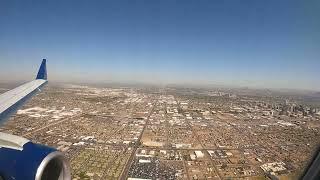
point(21, 159)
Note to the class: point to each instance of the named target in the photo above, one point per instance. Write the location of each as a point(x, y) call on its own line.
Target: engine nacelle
point(21, 159)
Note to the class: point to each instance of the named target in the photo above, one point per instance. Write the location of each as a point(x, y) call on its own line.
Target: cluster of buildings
point(168, 133)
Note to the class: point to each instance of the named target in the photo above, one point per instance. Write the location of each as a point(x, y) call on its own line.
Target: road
point(125, 171)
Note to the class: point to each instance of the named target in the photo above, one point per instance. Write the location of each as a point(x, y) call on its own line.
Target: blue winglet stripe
point(42, 74)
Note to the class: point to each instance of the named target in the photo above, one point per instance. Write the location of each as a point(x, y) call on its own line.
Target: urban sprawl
point(173, 133)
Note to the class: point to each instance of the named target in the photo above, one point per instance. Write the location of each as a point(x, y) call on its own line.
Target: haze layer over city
point(168, 89)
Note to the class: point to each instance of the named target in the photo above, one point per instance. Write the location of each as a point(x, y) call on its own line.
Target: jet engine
point(21, 159)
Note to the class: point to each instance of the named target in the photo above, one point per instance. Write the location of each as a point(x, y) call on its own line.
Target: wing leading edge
point(12, 100)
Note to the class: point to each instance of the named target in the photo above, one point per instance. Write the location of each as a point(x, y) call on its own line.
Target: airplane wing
point(12, 100)
point(21, 159)
point(312, 171)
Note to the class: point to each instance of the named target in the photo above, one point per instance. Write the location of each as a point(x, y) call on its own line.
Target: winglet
point(42, 74)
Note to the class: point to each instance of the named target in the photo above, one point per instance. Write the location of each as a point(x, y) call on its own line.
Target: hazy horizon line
point(176, 84)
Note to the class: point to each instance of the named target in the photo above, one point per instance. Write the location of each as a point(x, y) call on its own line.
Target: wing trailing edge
point(14, 99)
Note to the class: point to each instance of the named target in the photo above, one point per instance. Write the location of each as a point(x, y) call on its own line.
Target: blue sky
point(272, 44)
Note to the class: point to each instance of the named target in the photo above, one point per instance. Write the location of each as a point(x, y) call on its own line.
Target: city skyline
point(250, 44)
